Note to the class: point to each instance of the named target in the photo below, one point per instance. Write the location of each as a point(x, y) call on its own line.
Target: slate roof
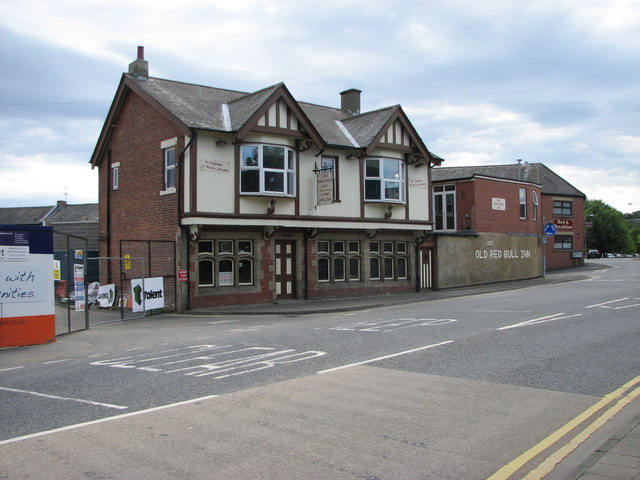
point(50, 215)
point(201, 107)
point(537, 173)
point(80, 213)
point(23, 215)
point(196, 106)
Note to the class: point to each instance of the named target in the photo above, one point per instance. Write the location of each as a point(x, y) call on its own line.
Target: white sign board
point(20, 284)
point(78, 282)
point(149, 296)
point(498, 204)
point(106, 295)
point(14, 253)
point(325, 187)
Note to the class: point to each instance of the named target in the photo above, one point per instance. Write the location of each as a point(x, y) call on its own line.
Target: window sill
point(385, 202)
point(266, 194)
point(168, 191)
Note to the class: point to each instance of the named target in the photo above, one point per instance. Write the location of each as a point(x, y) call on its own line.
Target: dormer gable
point(389, 129)
point(272, 110)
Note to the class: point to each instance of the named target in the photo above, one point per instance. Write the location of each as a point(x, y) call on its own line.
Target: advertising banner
point(149, 296)
point(106, 295)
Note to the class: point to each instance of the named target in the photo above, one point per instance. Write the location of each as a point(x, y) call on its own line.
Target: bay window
point(267, 170)
point(384, 180)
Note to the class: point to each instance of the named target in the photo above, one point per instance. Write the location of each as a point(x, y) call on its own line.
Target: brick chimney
point(139, 67)
point(350, 100)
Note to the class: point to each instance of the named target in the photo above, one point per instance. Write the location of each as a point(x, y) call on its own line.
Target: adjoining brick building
point(489, 223)
point(238, 197)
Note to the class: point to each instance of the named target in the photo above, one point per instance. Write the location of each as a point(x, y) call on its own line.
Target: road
point(449, 388)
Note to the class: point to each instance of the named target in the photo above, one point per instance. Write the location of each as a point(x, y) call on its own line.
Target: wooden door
point(285, 268)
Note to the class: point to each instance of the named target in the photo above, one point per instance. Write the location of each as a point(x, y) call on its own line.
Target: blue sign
point(549, 229)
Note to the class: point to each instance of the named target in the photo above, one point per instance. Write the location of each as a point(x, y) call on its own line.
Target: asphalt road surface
point(461, 388)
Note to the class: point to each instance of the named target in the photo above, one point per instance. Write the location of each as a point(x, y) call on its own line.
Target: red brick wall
point(556, 259)
point(508, 221)
point(136, 210)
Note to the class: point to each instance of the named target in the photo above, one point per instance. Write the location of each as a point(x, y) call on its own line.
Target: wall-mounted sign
point(563, 223)
point(183, 275)
point(218, 166)
point(498, 204)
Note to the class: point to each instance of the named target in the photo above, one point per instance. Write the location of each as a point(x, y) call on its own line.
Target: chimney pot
point(140, 53)
point(350, 100)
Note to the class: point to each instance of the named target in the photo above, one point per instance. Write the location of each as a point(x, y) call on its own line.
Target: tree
point(609, 232)
point(633, 221)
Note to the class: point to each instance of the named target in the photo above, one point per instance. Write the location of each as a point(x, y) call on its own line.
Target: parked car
point(593, 254)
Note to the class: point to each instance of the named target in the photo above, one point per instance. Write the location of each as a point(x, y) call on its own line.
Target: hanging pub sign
point(324, 179)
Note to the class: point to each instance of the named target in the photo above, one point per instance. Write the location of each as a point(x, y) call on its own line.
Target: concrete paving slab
point(360, 422)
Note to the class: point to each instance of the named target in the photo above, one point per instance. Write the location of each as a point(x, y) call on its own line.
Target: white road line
point(69, 399)
point(535, 321)
point(11, 368)
point(606, 303)
point(103, 420)
point(627, 306)
point(386, 357)
point(56, 361)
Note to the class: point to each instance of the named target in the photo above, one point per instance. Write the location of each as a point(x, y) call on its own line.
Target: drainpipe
point(184, 228)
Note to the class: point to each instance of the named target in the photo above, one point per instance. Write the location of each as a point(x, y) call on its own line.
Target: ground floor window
point(388, 260)
point(225, 263)
point(563, 242)
point(339, 261)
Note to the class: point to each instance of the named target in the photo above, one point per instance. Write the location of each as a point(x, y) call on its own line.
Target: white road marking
point(69, 399)
point(103, 420)
point(535, 321)
point(11, 368)
point(629, 306)
point(602, 305)
point(393, 324)
point(210, 360)
point(56, 361)
point(386, 357)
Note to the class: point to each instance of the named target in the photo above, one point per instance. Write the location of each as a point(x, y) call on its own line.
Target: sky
point(545, 81)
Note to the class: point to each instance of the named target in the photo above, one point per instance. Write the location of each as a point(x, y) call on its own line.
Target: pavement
point(613, 453)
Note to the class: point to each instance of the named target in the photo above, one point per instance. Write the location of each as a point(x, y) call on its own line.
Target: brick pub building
point(235, 197)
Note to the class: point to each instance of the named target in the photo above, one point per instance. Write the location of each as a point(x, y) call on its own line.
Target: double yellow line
point(625, 395)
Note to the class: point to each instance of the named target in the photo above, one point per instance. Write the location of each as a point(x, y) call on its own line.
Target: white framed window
point(523, 203)
point(169, 168)
point(534, 199)
point(444, 207)
point(225, 263)
point(115, 176)
point(384, 180)
point(267, 170)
